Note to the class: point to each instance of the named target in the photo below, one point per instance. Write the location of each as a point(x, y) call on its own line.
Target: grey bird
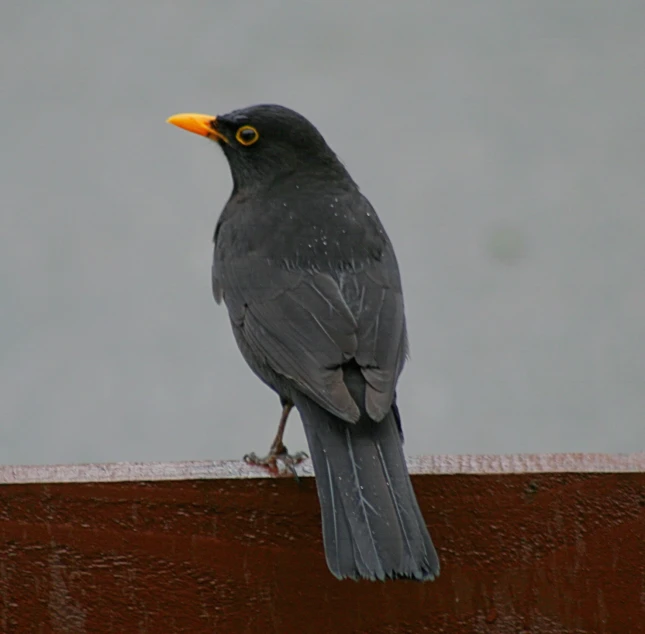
point(313, 292)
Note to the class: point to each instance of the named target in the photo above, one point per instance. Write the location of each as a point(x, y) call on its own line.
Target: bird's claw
point(277, 461)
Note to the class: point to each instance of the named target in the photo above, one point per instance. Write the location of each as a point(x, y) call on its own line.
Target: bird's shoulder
point(321, 229)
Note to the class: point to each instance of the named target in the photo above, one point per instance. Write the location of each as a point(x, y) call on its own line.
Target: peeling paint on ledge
point(236, 469)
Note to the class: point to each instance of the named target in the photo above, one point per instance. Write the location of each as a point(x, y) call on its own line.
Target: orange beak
point(202, 124)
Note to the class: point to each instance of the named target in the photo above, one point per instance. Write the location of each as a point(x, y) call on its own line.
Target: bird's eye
point(247, 135)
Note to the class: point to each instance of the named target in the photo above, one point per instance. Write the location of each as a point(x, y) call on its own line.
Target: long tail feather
point(372, 524)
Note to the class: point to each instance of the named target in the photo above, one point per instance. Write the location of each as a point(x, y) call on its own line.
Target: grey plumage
point(313, 291)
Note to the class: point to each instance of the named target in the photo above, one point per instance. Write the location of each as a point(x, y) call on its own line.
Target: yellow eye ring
point(247, 135)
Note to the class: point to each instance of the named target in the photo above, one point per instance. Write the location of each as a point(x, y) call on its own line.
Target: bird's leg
point(278, 452)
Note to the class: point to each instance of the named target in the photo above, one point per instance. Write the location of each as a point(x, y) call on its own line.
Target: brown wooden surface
point(527, 543)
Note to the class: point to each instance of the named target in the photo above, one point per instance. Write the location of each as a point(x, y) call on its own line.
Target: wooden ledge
point(224, 469)
point(531, 543)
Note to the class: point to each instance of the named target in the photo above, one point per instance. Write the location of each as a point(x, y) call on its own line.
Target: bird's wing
point(216, 282)
point(298, 323)
point(375, 296)
point(306, 324)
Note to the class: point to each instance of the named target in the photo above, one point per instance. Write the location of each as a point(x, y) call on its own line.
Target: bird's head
point(265, 142)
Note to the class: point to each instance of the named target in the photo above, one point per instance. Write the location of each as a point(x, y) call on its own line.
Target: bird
point(314, 296)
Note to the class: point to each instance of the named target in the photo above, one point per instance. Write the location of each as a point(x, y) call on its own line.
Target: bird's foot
point(278, 460)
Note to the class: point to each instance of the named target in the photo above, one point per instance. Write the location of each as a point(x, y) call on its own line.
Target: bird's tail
point(372, 524)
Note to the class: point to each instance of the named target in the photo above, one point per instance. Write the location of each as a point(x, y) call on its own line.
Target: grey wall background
point(503, 144)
